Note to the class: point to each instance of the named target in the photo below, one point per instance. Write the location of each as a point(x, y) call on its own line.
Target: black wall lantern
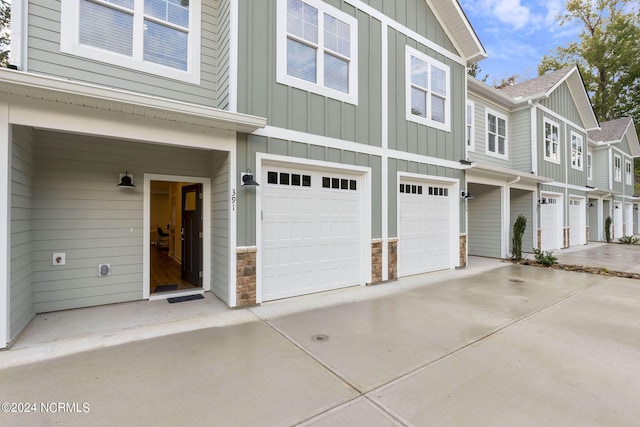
point(126, 181)
point(247, 178)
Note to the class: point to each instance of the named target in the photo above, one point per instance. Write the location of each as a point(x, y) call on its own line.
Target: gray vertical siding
point(520, 141)
point(562, 102)
point(220, 193)
point(485, 220)
point(45, 58)
point(22, 301)
point(522, 203)
point(79, 210)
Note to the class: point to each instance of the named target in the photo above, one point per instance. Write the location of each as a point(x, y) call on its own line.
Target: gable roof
point(543, 86)
point(613, 131)
point(455, 22)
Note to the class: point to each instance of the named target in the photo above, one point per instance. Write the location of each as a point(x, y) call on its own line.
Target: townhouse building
point(127, 121)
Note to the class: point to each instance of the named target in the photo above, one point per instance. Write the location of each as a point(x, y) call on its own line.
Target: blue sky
point(517, 34)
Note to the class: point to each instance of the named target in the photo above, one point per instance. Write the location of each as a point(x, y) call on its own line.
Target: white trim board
point(5, 225)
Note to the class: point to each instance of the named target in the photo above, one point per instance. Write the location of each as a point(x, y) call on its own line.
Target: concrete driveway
point(612, 256)
point(510, 346)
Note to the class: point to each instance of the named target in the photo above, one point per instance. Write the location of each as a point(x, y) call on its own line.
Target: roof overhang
point(506, 174)
point(603, 192)
point(482, 89)
point(456, 23)
point(20, 84)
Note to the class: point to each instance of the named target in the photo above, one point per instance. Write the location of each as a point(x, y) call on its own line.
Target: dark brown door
point(192, 234)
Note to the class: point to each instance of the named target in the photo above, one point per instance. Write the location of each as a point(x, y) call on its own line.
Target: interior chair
point(163, 240)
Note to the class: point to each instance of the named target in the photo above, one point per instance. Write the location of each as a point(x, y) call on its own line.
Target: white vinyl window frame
point(551, 144)
point(319, 87)
point(470, 125)
point(577, 151)
point(497, 134)
point(628, 173)
point(617, 168)
point(432, 65)
point(70, 41)
point(589, 165)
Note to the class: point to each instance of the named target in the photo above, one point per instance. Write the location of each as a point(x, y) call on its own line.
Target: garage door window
point(339, 183)
point(284, 178)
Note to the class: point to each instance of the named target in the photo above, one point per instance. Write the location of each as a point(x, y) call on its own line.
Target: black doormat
point(185, 298)
point(166, 288)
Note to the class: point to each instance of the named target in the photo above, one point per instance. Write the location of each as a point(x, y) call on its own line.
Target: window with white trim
point(617, 168)
point(576, 151)
point(628, 172)
point(155, 36)
point(496, 134)
point(317, 49)
point(428, 90)
point(551, 141)
point(470, 125)
point(589, 165)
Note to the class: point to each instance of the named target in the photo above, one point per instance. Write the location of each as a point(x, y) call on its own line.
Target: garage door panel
point(318, 231)
point(577, 222)
point(550, 225)
point(425, 238)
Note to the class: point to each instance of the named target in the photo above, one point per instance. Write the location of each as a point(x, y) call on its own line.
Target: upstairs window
point(628, 173)
point(428, 90)
point(589, 165)
point(551, 141)
point(317, 49)
point(470, 125)
point(576, 151)
point(156, 36)
point(496, 134)
point(617, 168)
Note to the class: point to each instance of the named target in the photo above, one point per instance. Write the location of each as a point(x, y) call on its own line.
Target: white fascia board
point(62, 88)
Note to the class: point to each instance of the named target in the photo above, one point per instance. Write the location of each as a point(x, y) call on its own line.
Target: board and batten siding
point(561, 102)
point(79, 210)
point(577, 176)
point(485, 221)
point(22, 303)
point(220, 238)
point(44, 57)
point(291, 108)
point(546, 168)
point(520, 141)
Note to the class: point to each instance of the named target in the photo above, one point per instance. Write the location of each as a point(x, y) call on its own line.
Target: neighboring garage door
point(312, 232)
point(629, 219)
point(577, 222)
point(550, 225)
point(424, 231)
point(617, 221)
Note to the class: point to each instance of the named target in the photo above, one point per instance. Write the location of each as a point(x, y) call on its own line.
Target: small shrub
point(545, 258)
point(607, 229)
point(628, 240)
point(516, 241)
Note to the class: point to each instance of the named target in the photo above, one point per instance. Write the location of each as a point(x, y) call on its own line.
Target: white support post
point(5, 219)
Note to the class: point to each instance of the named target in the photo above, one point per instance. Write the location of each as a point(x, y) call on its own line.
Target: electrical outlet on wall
point(59, 258)
point(104, 270)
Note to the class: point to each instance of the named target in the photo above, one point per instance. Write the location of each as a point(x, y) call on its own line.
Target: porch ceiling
point(493, 172)
point(16, 83)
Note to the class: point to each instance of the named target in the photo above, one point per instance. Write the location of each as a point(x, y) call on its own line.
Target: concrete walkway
point(501, 345)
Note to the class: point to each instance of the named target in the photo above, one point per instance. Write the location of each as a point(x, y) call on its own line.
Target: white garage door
point(577, 222)
point(629, 219)
point(312, 232)
point(550, 225)
point(617, 221)
point(424, 232)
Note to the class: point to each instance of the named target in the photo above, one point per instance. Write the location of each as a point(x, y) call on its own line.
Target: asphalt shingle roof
point(610, 131)
point(538, 86)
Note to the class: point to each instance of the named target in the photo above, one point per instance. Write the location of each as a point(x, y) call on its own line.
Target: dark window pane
point(306, 180)
point(326, 182)
point(420, 189)
point(284, 178)
point(353, 184)
point(431, 191)
point(344, 184)
point(295, 179)
point(335, 183)
point(402, 188)
point(272, 177)
point(446, 192)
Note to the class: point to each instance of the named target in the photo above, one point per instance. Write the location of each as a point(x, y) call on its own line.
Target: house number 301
point(233, 199)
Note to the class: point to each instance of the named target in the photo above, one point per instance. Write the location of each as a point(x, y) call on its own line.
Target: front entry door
point(192, 234)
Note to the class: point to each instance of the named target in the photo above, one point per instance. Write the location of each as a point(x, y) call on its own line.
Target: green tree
point(5, 32)
point(607, 53)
